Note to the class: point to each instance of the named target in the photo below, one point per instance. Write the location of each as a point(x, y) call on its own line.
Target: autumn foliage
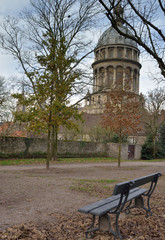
point(122, 114)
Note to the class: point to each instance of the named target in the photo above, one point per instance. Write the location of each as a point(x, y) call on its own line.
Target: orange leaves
point(122, 113)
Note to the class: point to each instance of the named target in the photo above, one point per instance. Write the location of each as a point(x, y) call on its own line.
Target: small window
point(110, 77)
point(103, 53)
point(119, 77)
point(135, 55)
point(111, 52)
point(128, 79)
point(99, 101)
point(128, 53)
point(135, 80)
point(97, 55)
point(120, 52)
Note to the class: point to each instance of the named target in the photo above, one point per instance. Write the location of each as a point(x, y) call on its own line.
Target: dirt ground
point(36, 203)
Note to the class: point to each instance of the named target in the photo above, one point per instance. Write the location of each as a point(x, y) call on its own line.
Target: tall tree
point(122, 115)
point(49, 45)
point(152, 115)
point(4, 102)
point(142, 19)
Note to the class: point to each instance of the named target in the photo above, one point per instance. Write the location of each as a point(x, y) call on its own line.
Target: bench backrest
point(121, 187)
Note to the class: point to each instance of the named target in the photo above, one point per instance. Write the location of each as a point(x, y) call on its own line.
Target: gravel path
point(33, 194)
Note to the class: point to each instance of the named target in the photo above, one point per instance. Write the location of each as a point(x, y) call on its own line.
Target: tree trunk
point(48, 148)
point(54, 143)
point(154, 147)
point(119, 153)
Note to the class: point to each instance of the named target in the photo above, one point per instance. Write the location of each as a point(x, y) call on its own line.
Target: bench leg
point(107, 226)
point(117, 233)
point(148, 209)
point(127, 209)
point(139, 203)
point(104, 224)
point(91, 229)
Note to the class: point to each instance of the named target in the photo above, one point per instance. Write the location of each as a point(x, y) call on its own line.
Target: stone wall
point(15, 146)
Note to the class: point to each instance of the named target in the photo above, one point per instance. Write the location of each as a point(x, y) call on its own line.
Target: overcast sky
point(8, 66)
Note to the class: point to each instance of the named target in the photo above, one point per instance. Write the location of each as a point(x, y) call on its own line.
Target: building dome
point(112, 37)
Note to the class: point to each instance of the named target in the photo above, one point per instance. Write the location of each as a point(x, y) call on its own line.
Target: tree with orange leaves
point(122, 114)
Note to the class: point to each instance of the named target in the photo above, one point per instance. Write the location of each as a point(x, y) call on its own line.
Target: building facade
point(116, 64)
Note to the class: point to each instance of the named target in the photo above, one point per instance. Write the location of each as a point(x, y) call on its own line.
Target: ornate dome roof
point(111, 37)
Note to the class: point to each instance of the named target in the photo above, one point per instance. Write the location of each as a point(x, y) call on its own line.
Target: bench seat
point(106, 205)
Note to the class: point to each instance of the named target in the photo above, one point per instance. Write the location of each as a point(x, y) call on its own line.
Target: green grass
point(87, 160)
point(95, 187)
point(96, 181)
point(6, 162)
point(25, 161)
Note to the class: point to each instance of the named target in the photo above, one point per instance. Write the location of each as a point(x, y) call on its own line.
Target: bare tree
point(5, 104)
point(49, 42)
point(23, 37)
point(153, 115)
point(142, 18)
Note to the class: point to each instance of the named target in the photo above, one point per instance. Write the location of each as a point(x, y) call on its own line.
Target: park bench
point(126, 192)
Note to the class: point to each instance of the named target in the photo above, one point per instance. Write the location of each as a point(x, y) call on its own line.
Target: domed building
point(116, 64)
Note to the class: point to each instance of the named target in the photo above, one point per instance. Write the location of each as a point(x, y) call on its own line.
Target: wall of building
point(10, 146)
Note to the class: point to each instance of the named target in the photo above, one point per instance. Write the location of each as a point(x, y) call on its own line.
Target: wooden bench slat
point(113, 204)
point(90, 207)
point(135, 183)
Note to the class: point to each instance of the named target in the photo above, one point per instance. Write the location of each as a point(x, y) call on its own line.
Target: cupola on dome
point(112, 37)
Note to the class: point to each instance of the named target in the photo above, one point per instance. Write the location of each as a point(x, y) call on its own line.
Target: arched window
point(101, 77)
point(135, 55)
point(120, 52)
point(95, 80)
point(119, 77)
point(99, 99)
point(97, 55)
point(102, 53)
point(135, 80)
point(129, 53)
point(111, 52)
point(110, 77)
point(128, 79)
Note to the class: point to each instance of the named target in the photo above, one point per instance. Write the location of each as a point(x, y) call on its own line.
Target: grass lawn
point(24, 161)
